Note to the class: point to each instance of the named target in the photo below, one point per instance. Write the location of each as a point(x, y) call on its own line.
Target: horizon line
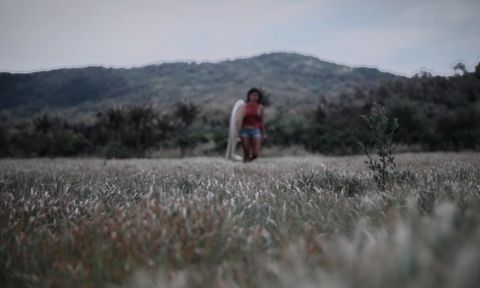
point(217, 61)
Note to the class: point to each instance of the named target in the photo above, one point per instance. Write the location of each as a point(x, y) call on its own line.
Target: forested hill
point(434, 113)
point(287, 77)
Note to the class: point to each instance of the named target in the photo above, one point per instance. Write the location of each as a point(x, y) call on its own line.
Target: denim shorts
point(250, 133)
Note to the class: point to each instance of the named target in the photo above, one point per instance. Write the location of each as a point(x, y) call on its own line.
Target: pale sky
point(396, 36)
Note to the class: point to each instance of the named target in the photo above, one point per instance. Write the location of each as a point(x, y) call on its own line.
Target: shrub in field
point(382, 130)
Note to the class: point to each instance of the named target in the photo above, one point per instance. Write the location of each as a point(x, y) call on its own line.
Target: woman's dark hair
point(255, 90)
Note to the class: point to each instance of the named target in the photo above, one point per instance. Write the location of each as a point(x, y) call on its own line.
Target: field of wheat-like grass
point(206, 222)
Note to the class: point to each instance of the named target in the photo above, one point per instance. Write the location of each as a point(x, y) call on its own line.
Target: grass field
point(205, 222)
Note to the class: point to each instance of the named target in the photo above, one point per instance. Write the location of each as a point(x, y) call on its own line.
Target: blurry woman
point(253, 128)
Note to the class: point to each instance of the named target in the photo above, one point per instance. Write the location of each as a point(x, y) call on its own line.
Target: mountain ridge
point(285, 76)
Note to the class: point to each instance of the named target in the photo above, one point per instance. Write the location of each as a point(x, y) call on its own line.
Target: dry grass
point(206, 222)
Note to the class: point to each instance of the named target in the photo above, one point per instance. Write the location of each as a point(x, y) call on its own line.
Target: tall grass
point(280, 222)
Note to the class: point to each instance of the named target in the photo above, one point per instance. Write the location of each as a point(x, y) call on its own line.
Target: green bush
point(381, 140)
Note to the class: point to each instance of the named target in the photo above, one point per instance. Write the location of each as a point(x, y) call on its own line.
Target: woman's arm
point(264, 130)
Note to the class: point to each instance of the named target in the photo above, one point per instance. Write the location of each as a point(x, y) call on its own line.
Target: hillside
point(287, 77)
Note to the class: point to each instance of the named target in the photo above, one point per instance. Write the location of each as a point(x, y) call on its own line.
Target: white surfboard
point(236, 119)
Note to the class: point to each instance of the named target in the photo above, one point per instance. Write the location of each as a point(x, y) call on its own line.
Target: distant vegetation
point(292, 78)
point(118, 132)
point(434, 113)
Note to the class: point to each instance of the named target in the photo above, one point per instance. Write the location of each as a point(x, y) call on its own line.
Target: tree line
point(434, 113)
point(120, 132)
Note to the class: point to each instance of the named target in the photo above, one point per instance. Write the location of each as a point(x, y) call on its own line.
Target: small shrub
point(381, 134)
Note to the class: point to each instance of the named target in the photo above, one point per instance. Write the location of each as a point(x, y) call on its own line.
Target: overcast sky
point(396, 36)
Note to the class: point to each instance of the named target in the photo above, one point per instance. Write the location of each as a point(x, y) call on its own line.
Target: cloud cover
point(397, 36)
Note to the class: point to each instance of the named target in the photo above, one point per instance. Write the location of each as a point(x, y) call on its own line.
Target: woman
point(252, 129)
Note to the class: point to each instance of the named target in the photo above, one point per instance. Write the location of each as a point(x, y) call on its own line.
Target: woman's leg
point(256, 144)
point(246, 149)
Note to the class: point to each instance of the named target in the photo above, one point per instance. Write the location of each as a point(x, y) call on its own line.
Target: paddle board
point(236, 119)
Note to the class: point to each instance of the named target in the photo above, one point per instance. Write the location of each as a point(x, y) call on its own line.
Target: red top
point(252, 116)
